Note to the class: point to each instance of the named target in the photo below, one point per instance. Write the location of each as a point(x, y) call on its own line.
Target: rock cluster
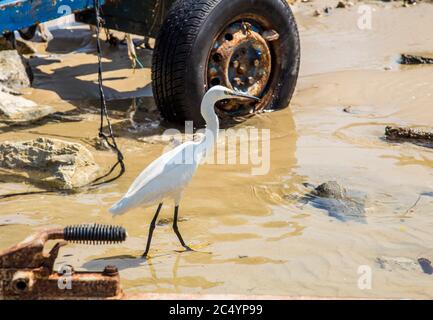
point(13, 72)
point(16, 109)
point(340, 203)
point(13, 76)
point(48, 163)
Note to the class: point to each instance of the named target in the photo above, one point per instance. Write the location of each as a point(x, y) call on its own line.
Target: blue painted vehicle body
point(20, 14)
point(143, 17)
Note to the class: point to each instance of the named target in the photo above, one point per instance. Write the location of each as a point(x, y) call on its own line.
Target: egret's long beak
point(244, 95)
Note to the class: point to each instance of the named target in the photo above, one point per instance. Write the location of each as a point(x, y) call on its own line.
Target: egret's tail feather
point(120, 207)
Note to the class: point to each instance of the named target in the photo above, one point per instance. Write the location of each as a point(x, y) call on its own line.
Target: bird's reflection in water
point(150, 281)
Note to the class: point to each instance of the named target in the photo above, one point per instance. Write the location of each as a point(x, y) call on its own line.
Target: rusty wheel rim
point(241, 59)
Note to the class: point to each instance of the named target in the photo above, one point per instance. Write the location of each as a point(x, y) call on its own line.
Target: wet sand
point(254, 235)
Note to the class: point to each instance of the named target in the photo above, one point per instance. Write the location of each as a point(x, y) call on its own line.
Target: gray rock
point(317, 13)
point(5, 44)
point(22, 47)
point(15, 109)
point(398, 263)
point(9, 90)
point(412, 59)
point(98, 143)
point(330, 189)
point(426, 265)
point(341, 4)
point(13, 72)
point(48, 163)
point(66, 117)
point(327, 10)
point(427, 194)
point(405, 134)
point(340, 203)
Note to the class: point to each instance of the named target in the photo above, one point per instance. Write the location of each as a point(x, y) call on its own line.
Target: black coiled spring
point(95, 234)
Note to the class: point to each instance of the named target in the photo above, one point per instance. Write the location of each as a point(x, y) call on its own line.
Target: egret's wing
point(161, 166)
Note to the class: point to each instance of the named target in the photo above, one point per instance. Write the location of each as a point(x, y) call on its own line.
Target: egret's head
point(218, 93)
point(221, 93)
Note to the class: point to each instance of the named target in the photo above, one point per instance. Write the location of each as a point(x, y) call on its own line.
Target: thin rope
point(104, 112)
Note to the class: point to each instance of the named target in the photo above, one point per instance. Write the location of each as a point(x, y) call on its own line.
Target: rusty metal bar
point(26, 272)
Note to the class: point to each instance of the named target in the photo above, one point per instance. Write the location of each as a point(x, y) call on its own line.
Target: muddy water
point(253, 234)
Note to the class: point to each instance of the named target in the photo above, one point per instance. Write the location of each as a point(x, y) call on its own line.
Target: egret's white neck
point(212, 124)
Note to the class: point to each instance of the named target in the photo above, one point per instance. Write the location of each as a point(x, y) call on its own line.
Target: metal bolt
point(256, 62)
point(236, 64)
point(238, 81)
point(251, 80)
point(246, 27)
point(242, 69)
point(110, 271)
point(23, 281)
point(69, 268)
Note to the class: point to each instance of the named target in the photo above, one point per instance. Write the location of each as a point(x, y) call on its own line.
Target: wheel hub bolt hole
point(237, 81)
point(228, 36)
point(217, 57)
point(21, 285)
point(215, 81)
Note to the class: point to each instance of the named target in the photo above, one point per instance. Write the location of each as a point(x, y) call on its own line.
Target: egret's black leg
point(176, 229)
point(151, 228)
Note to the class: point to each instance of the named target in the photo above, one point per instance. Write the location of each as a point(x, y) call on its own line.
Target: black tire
point(184, 43)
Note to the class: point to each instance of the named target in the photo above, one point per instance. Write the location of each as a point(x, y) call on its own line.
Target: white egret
point(167, 176)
